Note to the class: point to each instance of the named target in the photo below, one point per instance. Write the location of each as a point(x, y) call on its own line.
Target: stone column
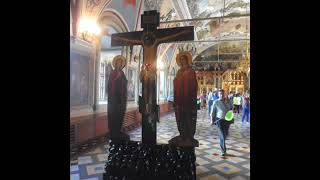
point(96, 50)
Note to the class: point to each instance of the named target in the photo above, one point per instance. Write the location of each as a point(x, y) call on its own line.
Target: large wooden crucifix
point(150, 38)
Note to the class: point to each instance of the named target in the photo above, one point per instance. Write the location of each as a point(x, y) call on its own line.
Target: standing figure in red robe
point(117, 98)
point(185, 101)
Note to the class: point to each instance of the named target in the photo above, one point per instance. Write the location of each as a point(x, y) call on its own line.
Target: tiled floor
point(210, 165)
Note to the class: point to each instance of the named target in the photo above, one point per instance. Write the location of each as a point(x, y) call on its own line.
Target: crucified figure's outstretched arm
point(125, 40)
point(115, 39)
point(172, 37)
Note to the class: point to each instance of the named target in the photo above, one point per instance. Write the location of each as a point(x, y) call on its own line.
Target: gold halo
point(186, 53)
point(123, 61)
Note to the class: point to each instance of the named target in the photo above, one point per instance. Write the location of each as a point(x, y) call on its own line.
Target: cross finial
point(150, 19)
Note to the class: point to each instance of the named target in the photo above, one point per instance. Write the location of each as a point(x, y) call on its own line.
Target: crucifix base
point(184, 142)
point(132, 160)
point(118, 137)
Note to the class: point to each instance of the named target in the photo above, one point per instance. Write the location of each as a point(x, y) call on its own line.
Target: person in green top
point(236, 104)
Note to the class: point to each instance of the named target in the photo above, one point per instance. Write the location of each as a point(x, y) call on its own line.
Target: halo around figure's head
point(119, 58)
point(187, 55)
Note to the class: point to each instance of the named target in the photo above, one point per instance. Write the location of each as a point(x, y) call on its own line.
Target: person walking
point(246, 109)
point(220, 108)
point(236, 104)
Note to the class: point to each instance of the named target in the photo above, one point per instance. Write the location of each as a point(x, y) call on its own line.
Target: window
point(105, 69)
point(161, 85)
point(131, 84)
point(102, 82)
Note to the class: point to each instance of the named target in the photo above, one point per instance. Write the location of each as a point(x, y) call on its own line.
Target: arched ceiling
point(214, 8)
point(212, 31)
point(225, 51)
point(106, 40)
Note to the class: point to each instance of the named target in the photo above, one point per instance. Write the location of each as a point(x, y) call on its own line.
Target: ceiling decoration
point(225, 51)
point(193, 7)
point(214, 66)
point(212, 52)
point(218, 8)
point(153, 5)
point(223, 56)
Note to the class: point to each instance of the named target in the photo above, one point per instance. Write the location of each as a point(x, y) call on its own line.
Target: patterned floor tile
point(227, 168)
point(201, 147)
point(230, 142)
point(235, 153)
point(213, 177)
point(212, 151)
point(96, 151)
point(234, 160)
point(211, 166)
point(74, 168)
point(198, 153)
point(243, 149)
point(213, 140)
point(201, 161)
point(204, 142)
point(74, 177)
point(93, 178)
point(102, 157)
point(84, 160)
point(238, 178)
point(218, 146)
point(246, 166)
point(73, 162)
point(201, 170)
point(214, 157)
point(95, 169)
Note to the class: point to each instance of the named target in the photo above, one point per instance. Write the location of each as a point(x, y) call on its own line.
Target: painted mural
point(128, 10)
point(79, 79)
point(93, 5)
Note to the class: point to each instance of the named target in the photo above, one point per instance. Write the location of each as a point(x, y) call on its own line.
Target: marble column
point(97, 51)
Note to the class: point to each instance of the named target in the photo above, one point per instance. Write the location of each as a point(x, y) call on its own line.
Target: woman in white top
point(236, 104)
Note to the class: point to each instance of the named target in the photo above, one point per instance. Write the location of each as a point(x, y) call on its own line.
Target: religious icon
point(150, 38)
point(79, 79)
point(185, 101)
point(117, 98)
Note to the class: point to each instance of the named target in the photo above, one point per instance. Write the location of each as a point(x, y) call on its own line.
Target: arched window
point(161, 84)
point(131, 84)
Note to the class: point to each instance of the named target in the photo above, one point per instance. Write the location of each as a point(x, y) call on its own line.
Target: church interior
point(220, 52)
